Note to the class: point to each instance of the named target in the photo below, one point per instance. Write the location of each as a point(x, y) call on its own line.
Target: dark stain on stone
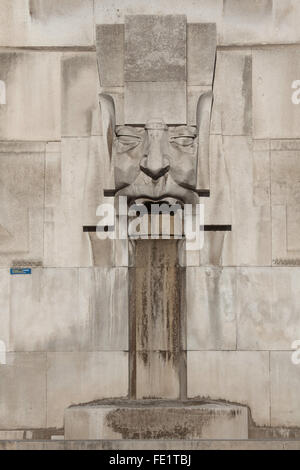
point(247, 94)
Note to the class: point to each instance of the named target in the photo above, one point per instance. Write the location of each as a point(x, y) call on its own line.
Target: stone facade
point(65, 326)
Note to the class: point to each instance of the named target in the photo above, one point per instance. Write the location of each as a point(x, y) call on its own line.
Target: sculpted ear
point(203, 117)
point(108, 114)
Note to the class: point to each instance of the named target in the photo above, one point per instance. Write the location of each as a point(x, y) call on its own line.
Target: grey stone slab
point(21, 211)
point(23, 391)
point(4, 310)
point(79, 377)
point(285, 383)
point(237, 376)
point(285, 21)
point(247, 22)
point(232, 108)
point(44, 23)
point(145, 100)
point(211, 308)
point(67, 309)
point(80, 107)
point(193, 95)
point(32, 109)
point(153, 420)
point(201, 52)
point(268, 311)
point(117, 94)
point(155, 48)
point(110, 54)
point(274, 114)
point(285, 144)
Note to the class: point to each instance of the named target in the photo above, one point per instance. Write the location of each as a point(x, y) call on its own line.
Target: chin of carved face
point(156, 162)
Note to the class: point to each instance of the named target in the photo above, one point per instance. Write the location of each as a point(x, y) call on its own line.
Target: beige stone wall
point(65, 327)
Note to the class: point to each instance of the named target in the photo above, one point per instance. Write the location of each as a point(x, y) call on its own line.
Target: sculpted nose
point(154, 163)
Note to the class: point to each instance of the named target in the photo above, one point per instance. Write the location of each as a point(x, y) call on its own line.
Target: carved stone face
point(156, 162)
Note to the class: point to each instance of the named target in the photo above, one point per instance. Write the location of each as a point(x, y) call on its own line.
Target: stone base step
point(156, 420)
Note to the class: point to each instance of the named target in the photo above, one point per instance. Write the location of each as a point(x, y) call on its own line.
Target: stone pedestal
point(156, 419)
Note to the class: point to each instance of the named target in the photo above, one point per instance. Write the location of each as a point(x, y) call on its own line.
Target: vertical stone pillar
point(157, 322)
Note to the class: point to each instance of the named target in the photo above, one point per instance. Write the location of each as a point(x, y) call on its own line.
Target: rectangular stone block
point(110, 54)
point(23, 391)
point(201, 52)
point(22, 201)
point(79, 377)
point(4, 312)
point(286, 21)
point(145, 100)
point(44, 23)
point(157, 374)
point(193, 95)
point(275, 69)
point(247, 22)
point(155, 48)
point(232, 108)
point(66, 309)
point(267, 313)
point(80, 107)
point(236, 376)
point(32, 109)
point(285, 384)
point(211, 308)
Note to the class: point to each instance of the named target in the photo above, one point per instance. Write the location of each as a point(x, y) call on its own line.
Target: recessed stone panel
point(155, 48)
point(145, 100)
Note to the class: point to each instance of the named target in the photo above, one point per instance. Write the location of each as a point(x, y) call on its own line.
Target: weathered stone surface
point(23, 391)
point(201, 51)
point(22, 200)
point(66, 310)
point(32, 109)
point(286, 21)
point(285, 173)
point(4, 310)
point(246, 22)
point(211, 308)
point(162, 420)
point(155, 48)
point(110, 54)
point(146, 100)
point(232, 109)
point(237, 376)
point(157, 374)
point(79, 377)
point(268, 311)
point(117, 94)
point(44, 23)
point(79, 176)
point(285, 384)
point(193, 95)
point(274, 114)
point(206, 11)
point(249, 242)
point(80, 107)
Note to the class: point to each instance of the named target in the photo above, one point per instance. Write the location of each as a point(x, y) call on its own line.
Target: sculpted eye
point(184, 140)
point(128, 139)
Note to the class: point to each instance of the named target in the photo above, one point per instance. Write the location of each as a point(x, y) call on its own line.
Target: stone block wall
point(65, 327)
